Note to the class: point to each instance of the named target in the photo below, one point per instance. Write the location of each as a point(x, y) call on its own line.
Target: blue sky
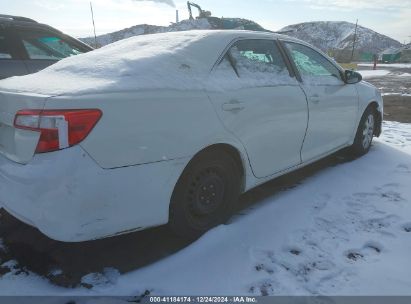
point(389, 17)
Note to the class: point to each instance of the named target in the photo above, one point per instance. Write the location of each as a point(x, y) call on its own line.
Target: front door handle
point(233, 106)
point(314, 99)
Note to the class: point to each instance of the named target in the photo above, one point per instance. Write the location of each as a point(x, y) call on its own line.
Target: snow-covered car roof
point(178, 60)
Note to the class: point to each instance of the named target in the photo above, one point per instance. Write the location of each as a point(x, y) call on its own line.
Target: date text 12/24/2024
point(203, 299)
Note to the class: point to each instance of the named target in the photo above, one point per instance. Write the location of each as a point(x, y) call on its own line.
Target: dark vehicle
point(27, 46)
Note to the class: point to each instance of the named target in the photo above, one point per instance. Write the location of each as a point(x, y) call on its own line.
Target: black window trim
point(282, 42)
point(288, 61)
point(232, 63)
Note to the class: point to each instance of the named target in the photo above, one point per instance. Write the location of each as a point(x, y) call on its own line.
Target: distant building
point(391, 55)
point(406, 53)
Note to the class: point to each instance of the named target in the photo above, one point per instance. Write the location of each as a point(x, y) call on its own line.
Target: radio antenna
point(94, 26)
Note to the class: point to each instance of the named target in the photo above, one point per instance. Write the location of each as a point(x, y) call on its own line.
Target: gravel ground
point(396, 89)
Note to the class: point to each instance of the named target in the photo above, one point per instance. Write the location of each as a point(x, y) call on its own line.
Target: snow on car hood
point(168, 60)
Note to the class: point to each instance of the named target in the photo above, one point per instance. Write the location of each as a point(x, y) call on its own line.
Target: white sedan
point(171, 128)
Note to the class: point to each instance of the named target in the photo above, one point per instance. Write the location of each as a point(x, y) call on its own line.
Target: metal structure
point(201, 13)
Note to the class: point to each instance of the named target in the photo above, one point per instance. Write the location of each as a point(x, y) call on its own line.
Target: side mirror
point(352, 77)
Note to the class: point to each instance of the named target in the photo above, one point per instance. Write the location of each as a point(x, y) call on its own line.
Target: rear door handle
point(233, 106)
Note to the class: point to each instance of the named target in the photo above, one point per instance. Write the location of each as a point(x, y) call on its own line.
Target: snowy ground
point(373, 73)
point(344, 231)
point(366, 74)
point(390, 65)
point(401, 72)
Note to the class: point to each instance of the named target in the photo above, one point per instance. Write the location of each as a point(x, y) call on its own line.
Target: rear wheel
point(365, 133)
point(204, 195)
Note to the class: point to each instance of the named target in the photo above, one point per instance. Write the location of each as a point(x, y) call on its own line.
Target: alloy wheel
point(368, 131)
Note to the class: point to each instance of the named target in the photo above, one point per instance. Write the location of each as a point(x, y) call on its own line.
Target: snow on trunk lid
point(17, 144)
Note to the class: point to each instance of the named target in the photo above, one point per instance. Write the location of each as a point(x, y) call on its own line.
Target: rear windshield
point(47, 45)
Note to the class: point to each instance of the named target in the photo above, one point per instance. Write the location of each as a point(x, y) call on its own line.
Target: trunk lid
point(17, 144)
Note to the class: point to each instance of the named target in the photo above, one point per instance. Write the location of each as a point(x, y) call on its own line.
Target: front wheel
point(365, 133)
point(204, 195)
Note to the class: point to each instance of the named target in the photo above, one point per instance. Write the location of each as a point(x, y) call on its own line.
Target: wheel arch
point(179, 219)
point(378, 115)
point(230, 149)
point(227, 148)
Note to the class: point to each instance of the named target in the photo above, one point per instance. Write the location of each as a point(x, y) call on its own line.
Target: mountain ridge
point(329, 35)
point(325, 35)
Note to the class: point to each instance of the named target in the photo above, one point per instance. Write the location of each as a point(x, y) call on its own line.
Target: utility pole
point(94, 26)
point(177, 19)
point(355, 38)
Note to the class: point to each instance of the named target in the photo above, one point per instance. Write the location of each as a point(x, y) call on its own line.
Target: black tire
point(365, 133)
point(205, 194)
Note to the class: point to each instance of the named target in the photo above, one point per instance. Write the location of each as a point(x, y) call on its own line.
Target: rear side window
point(45, 45)
point(256, 62)
point(313, 67)
point(5, 47)
point(257, 56)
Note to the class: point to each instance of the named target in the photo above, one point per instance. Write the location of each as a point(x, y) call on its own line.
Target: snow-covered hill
point(144, 29)
point(136, 30)
point(328, 35)
point(185, 25)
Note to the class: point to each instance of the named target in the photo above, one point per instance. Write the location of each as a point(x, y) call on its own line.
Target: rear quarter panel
point(17, 144)
point(147, 126)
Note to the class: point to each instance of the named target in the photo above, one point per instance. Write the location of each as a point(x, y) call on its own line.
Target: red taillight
point(58, 129)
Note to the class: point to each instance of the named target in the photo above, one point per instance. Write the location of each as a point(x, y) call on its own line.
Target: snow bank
point(393, 94)
point(373, 73)
point(392, 65)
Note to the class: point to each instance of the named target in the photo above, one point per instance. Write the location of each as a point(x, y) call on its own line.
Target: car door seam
point(308, 122)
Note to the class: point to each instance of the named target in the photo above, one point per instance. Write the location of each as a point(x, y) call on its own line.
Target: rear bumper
point(68, 197)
